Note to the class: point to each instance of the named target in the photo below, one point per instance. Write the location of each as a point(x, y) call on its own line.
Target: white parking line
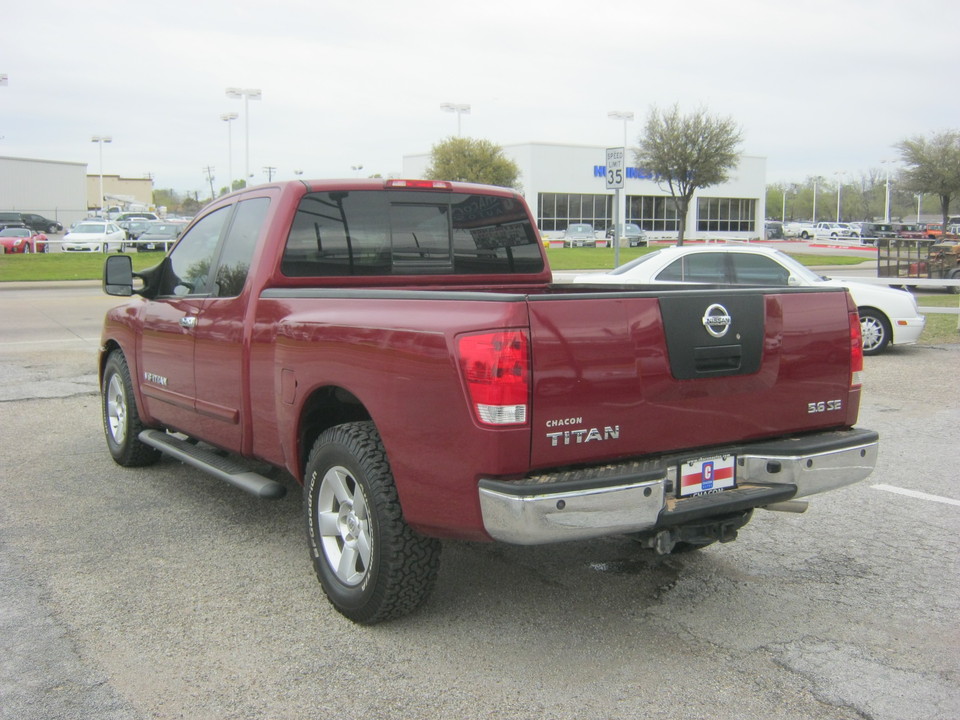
point(915, 494)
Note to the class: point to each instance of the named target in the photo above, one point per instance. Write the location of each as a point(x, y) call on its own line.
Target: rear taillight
point(856, 350)
point(496, 369)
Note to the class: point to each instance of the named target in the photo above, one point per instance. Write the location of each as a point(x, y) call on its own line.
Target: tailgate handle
point(717, 358)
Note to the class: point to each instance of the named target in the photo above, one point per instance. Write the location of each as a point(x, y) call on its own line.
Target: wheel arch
point(324, 408)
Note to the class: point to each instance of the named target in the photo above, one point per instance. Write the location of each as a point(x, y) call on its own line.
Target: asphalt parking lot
point(162, 593)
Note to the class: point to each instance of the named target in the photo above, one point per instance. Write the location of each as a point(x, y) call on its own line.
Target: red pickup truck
point(400, 349)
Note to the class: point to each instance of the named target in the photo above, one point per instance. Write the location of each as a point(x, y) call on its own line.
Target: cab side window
point(190, 263)
point(239, 246)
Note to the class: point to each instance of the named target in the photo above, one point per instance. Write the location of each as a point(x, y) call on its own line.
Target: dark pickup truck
point(399, 348)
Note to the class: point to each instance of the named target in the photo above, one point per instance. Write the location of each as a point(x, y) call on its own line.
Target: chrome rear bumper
point(639, 496)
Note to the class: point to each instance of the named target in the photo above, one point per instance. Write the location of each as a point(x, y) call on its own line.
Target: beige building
point(120, 192)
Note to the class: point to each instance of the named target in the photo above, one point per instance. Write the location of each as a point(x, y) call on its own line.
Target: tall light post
point(919, 202)
point(839, 174)
point(459, 109)
point(886, 201)
point(229, 118)
point(100, 140)
point(626, 117)
point(247, 94)
point(816, 180)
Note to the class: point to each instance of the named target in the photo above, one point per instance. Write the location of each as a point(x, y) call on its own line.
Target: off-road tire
point(371, 565)
point(121, 419)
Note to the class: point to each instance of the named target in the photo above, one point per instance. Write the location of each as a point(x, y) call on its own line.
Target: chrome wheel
point(875, 331)
point(343, 519)
point(116, 401)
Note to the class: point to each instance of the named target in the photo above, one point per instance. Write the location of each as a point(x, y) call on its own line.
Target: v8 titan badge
point(708, 475)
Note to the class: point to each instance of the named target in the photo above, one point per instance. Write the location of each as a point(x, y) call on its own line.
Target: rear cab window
point(404, 232)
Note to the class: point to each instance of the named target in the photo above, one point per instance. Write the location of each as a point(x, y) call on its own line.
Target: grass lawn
point(64, 266)
point(940, 329)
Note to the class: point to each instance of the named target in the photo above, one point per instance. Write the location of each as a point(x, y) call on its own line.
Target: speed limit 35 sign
point(615, 168)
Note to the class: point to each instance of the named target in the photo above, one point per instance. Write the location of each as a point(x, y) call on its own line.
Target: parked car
point(40, 223)
point(11, 219)
point(579, 235)
point(159, 236)
point(832, 231)
point(22, 240)
point(886, 315)
point(137, 215)
point(871, 231)
point(910, 231)
point(134, 228)
point(634, 234)
point(94, 236)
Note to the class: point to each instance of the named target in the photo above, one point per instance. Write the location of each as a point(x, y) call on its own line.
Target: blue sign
point(632, 172)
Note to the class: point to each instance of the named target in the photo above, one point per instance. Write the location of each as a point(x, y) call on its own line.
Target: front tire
point(121, 419)
point(875, 329)
point(371, 564)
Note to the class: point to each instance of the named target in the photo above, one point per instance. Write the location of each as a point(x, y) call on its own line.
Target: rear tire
point(371, 564)
point(875, 329)
point(955, 275)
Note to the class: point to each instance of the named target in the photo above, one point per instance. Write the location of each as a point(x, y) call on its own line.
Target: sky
point(349, 89)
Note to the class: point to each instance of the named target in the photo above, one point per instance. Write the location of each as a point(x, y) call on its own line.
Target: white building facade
point(56, 190)
point(566, 184)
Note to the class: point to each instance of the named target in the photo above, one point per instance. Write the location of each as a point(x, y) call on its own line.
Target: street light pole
point(815, 181)
point(886, 202)
point(839, 174)
point(100, 140)
point(229, 118)
point(247, 94)
point(459, 109)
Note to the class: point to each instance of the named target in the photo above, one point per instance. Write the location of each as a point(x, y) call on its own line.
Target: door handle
point(189, 322)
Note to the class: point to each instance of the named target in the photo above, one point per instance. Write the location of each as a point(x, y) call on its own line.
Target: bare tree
point(933, 166)
point(687, 152)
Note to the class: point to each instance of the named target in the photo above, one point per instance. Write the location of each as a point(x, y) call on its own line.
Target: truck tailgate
point(631, 373)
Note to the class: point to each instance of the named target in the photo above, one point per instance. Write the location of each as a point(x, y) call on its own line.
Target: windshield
point(15, 232)
point(627, 267)
point(162, 230)
point(89, 228)
point(795, 268)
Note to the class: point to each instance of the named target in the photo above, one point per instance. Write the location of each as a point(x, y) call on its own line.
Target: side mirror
point(793, 281)
point(118, 275)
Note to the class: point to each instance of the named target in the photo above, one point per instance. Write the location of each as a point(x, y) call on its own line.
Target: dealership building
point(566, 184)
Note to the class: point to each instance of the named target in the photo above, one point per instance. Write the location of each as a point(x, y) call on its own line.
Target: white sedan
point(886, 315)
point(93, 236)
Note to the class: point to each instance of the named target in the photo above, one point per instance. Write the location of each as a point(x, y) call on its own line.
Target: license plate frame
point(704, 475)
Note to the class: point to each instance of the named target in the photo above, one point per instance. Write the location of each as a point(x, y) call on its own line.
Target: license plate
point(707, 475)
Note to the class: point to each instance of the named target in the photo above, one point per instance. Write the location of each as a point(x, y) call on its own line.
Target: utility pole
point(269, 170)
point(209, 171)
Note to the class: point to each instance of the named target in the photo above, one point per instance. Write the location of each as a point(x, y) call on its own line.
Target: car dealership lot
point(164, 593)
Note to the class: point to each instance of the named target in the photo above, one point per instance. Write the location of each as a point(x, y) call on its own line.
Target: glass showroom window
point(726, 214)
point(653, 214)
point(557, 210)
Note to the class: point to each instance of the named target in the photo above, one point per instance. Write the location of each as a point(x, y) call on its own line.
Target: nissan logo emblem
point(717, 320)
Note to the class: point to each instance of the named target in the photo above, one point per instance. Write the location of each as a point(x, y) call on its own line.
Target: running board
point(213, 464)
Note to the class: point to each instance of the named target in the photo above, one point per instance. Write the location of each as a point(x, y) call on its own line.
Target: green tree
point(687, 152)
point(469, 160)
point(933, 166)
